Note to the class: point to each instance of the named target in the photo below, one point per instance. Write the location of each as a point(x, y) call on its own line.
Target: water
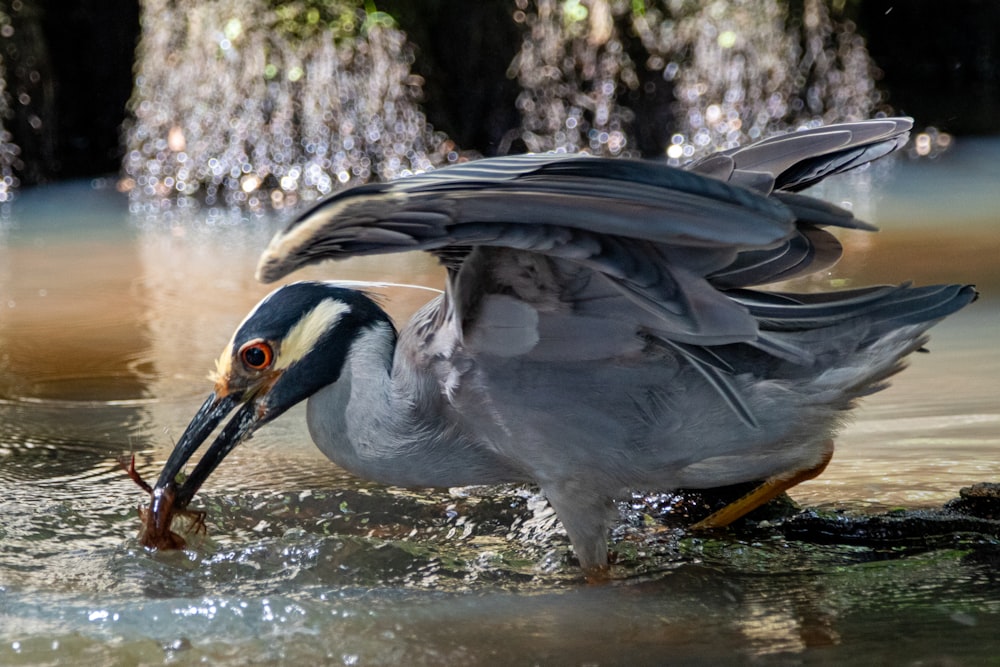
point(109, 325)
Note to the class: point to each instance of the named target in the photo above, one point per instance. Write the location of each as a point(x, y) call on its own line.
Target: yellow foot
point(769, 490)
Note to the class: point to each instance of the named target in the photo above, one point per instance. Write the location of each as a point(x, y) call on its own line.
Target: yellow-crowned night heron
point(598, 332)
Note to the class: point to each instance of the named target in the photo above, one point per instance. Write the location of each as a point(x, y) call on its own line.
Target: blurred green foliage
point(342, 19)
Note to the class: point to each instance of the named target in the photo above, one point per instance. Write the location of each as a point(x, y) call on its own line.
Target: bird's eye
point(256, 355)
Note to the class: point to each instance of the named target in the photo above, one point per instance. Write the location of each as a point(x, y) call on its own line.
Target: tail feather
point(881, 309)
point(861, 334)
point(868, 371)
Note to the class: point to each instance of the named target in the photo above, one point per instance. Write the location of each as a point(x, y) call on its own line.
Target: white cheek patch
point(302, 337)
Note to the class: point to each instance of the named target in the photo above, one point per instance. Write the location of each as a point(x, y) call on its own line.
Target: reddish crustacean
point(156, 534)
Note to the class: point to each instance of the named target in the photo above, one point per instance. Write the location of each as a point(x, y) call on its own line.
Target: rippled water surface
point(109, 325)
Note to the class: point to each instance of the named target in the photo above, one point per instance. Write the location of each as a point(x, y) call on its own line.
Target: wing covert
point(671, 246)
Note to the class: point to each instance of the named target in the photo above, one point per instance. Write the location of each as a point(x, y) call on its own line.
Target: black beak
point(211, 413)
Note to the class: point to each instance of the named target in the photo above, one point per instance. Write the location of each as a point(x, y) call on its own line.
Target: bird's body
point(597, 335)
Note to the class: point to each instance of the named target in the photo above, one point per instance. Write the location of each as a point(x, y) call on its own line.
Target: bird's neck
point(383, 420)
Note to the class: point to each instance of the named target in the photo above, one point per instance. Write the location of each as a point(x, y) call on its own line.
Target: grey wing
point(652, 230)
point(783, 165)
point(794, 161)
point(618, 242)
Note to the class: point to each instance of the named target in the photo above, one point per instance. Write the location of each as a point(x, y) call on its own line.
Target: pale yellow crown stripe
point(303, 336)
point(300, 340)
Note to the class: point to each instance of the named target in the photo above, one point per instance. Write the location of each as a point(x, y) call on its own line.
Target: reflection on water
point(105, 341)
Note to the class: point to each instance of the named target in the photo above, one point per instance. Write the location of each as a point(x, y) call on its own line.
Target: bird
point(603, 329)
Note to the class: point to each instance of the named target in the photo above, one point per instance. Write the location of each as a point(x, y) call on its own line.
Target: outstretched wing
point(783, 165)
point(794, 161)
point(653, 230)
point(653, 237)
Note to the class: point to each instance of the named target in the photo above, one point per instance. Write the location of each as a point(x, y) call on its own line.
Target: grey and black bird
point(600, 330)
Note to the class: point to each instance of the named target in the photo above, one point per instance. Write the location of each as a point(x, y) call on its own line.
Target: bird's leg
point(586, 517)
point(767, 491)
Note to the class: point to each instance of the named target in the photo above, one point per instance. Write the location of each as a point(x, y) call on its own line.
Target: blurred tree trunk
point(67, 72)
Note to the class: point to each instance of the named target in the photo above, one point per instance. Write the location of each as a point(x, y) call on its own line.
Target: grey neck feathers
point(387, 421)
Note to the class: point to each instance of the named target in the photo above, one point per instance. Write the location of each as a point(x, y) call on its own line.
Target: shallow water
point(109, 325)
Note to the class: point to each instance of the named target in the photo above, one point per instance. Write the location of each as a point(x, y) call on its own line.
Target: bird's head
point(291, 345)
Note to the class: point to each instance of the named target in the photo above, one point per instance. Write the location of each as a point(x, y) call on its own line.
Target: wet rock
point(980, 500)
point(970, 521)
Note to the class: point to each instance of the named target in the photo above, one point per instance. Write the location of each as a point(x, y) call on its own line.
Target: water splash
point(247, 104)
point(238, 103)
point(729, 73)
point(572, 67)
point(755, 69)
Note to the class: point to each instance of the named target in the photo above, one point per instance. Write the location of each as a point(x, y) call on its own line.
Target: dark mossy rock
point(969, 520)
point(980, 500)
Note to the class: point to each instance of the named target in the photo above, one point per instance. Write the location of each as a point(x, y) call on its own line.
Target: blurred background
point(265, 101)
point(148, 151)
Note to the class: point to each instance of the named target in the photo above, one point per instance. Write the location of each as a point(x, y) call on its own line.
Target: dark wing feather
point(664, 239)
point(781, 166)
point(809, 250)
point(632, 199)
point(794, 161)
point(617, 217)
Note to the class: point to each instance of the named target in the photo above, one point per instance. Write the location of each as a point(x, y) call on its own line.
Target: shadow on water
point(105, 341)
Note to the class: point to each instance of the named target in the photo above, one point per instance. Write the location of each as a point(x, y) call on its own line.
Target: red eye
point(257, 355)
